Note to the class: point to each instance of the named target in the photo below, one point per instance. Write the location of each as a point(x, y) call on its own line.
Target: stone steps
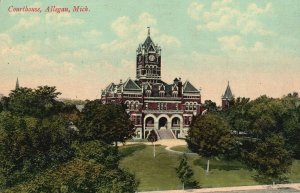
point(165, 133)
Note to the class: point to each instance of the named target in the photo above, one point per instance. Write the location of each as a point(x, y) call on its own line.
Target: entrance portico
point(163, 121)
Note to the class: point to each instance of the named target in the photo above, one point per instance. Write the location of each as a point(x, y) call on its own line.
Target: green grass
point(159, 173)
point(181, 148)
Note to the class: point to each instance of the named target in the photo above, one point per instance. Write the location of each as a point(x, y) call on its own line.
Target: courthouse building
point(167, 108)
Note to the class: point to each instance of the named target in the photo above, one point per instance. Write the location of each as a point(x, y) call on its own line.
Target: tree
point(210, 105)
point(80, 176)
point(39, 103)
point(210, 136)
point(269, 158)
point(109, 123)
point(152, 137)
point(30, 145)
point(185, 173)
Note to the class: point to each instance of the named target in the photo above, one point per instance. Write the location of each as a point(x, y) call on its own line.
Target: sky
point(255, 45)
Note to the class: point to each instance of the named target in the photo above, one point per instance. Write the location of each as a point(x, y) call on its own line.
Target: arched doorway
point(176, 122)
point(162, 123)
point(150, 122)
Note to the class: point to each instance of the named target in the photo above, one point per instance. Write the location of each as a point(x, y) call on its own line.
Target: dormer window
point(175, 93)
point(148, 93)
point(161, 93)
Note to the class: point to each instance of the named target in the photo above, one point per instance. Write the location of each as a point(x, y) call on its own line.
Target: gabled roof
point(188, 87)
point(228, 93)
point(175, 88)
point(110, 87)
point(131, 85)
point(162, 87)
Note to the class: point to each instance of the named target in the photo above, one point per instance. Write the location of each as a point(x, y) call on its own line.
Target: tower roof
point(17, 84)
point(148, 44)
point(228, 93)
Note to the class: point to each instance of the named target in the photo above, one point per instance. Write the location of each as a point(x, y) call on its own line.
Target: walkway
point(169, 143)
point(280, 187)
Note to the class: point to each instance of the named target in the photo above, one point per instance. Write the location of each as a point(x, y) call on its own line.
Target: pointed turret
point(227, 98)
point(17, 84)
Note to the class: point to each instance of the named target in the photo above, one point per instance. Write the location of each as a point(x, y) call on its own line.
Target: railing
point(149, 125)
point(158, 137)
point(163, 111)
point(174, 136)
point(178, 127)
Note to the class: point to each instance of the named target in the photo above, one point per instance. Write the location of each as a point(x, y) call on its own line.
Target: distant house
point(227, 98)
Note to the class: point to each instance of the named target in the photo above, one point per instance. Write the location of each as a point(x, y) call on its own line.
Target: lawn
point(159, 173)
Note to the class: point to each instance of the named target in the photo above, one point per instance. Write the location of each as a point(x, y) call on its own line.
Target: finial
point(228, 82)
point(148, 31)
point(120, 81)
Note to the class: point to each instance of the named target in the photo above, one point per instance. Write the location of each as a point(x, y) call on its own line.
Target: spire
point(148, 31)
point(17, 84)
point(228, 93)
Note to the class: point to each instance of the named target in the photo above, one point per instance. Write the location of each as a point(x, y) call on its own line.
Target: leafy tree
point(152, 137)
point(1, 107)
point(109, 123)
point(97, 151)
point(40, 102)
point(269, 158)
point(185, 174)
point(210, 105)
point(80, 176)
point(29, 145)
point(40, 152)
point(210, 136)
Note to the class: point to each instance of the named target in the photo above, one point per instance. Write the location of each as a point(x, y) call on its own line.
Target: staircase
point(165, 134)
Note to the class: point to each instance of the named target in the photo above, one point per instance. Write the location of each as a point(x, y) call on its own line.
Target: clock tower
point(148, 61)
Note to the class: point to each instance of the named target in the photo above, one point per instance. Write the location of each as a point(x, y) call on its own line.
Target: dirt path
point(233, 189)
point(169, 143)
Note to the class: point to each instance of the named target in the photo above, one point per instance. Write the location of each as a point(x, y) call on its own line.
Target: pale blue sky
point(253, 44)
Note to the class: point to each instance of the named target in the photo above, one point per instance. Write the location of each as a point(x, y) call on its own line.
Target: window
point(138, 120)
point(187, 106)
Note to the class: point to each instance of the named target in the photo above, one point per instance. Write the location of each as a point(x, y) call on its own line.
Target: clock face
point(151, 58)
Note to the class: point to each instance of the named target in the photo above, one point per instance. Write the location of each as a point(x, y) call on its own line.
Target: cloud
point(92, 34)
point(169, 40)
point(194, 10)
point(225, 15)
point(231, 43)
point(121, 26)
point(131, 32)
point(5, 39)
point(254, 9)
point(27, 23)
point(62, 19)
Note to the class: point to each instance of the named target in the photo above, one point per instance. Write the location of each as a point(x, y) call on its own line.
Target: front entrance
point(162, 123)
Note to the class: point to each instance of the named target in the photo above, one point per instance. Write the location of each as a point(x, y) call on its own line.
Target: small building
point(227, 98)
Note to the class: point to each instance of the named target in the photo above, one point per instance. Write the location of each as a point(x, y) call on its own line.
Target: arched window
point(195, 106)
point(137, 105)
point(187, 106)
point(131, 105)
